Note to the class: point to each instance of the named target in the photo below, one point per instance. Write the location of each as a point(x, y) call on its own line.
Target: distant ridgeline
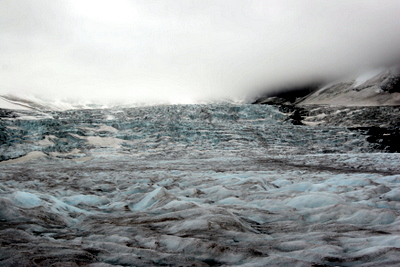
point(288, 95)
point(375, 88)
point(369, 104)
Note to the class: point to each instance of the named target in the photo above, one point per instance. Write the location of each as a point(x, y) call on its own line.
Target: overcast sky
point(183, 51)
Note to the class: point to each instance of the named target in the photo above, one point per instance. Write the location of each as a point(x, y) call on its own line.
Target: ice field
point(193, 185)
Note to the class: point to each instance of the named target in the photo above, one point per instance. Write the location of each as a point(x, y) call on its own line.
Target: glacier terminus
point(199, 185)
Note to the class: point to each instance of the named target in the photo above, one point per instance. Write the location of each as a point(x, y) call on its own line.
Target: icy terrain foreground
point(201, 185)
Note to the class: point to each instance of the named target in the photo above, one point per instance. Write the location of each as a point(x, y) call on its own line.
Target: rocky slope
point(375, 88)
point(379, 87)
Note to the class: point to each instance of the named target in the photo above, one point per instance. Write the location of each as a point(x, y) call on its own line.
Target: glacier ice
point(202, 185)
point(25, 199)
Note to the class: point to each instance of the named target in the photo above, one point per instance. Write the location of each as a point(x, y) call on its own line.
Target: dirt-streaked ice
point(206, 185)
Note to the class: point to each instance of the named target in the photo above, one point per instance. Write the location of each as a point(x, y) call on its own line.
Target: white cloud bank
point(187, 51)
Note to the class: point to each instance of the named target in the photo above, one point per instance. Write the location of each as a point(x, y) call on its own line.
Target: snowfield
point(196, 185)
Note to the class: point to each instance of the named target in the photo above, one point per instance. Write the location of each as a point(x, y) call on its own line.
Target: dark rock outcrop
point(287, 95)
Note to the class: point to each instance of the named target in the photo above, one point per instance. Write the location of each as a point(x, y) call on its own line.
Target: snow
point(30, 156)
point(362, 90)
point(104, 141)
point(47, 141)
point(9, 105)
point(367, 76)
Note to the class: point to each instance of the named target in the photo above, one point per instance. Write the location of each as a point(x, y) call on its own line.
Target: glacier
point(200, 185)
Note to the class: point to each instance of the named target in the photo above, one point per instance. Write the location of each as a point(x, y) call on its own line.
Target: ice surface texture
point(168, 131)
point(193, 186)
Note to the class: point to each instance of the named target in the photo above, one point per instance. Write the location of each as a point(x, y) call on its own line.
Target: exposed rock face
point(287, 95)
point(391, 84)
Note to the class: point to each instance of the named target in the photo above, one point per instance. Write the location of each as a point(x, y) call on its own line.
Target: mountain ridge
point(376, 87)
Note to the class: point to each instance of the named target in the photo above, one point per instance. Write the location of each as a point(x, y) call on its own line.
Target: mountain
point(378, 87)
point(40, 104)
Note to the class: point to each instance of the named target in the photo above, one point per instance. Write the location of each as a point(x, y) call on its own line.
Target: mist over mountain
point(173, 52)
point(376, 87)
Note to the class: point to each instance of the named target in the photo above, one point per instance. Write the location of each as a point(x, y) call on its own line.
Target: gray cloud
point(182, 51)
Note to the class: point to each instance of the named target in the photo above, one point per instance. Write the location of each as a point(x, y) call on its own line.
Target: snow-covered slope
point(379, 87)
point(42, 103)
point(30, 102)
point(5, 103)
